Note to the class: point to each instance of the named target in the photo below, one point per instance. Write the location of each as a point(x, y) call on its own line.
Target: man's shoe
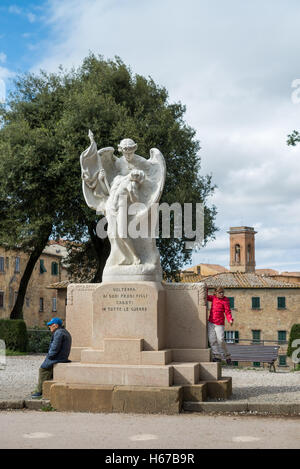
point(36, 395)
point(216, 359)
point(228, 361)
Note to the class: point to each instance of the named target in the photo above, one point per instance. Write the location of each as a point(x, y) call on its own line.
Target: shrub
point(39, 340)
point(294, 334)
point(14, 334)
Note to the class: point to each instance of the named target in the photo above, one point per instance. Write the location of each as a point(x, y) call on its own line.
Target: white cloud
point(31, 17)
point(232, 63)
point(2, 57)
point(15, 10)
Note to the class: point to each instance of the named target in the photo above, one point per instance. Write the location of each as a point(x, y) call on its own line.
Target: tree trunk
point(102, 248)
point(17, 311)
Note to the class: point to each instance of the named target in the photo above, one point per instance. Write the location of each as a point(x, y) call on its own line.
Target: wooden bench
point(254, 353)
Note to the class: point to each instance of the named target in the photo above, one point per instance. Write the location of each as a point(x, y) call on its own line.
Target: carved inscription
point(124, 299)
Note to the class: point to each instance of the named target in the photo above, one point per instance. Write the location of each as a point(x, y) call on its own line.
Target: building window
point(42, 266)
point(54, 305)
point(1, 299)
point(256, 337)
point(41, 305)
point(255, 302)
point(54, 268)
point(282, 360)
point(1, 264)
point(282, 336)
point(231, 337)
point(281, 302)
point(17, 265)
point(235, 363)
point(256, 364)
point(231, 302)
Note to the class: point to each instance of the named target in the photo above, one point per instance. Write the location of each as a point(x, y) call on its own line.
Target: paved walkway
point(29, 429)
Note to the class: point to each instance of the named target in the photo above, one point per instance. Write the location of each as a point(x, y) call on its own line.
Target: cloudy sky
point(232, 63)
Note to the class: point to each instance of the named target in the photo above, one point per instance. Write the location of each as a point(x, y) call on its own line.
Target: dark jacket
point(59, 348)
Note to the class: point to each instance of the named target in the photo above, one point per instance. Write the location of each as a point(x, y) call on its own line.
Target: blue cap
point(55, 321)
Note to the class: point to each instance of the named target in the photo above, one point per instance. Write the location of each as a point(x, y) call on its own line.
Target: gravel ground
point(18, 379)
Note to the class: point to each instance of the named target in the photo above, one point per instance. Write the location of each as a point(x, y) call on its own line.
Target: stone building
point(202, 270)
point(265, 304)
point(264, 309)
point(41, 303)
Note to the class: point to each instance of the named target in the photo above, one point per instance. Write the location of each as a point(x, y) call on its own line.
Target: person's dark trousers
point(45, 374)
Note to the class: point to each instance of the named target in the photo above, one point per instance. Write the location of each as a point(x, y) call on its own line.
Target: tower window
point(248, 253)
point(237, 253)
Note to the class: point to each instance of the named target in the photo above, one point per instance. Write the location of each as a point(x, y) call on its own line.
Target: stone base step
point(127, 375)
point(173, 373)
point(185, 373)
point(136, 399)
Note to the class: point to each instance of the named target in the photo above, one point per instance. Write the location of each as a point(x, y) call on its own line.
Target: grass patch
point(14, 353)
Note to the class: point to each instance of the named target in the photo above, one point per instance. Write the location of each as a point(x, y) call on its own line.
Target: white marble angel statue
point(124, 189)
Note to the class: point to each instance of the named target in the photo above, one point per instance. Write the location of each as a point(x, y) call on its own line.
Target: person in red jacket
point(220, 308)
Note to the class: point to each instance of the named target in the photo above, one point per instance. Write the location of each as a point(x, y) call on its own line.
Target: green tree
point(293, 138)
point(44, 129)
point(294, 334)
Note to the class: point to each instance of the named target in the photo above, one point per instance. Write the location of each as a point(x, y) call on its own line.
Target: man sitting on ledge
point(59, 350)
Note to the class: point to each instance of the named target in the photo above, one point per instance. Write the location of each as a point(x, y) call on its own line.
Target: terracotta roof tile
point(245, 280)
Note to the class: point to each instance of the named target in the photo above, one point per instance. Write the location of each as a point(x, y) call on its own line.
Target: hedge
point(294, 334)
point(38, 340)
point(14, 334)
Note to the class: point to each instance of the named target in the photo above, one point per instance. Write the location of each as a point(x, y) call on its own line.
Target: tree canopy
point(44, 128)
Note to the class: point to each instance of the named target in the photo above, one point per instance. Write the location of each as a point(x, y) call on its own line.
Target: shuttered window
point(281, 302)
point(281, 336)
point(255, 302)
point(17, 265)
point(282, 360)
point(42, 266)
point(256, 337)
point(54, 268)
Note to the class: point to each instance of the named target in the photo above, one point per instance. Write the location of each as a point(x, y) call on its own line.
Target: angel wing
point(94, 164)
point(152, 187)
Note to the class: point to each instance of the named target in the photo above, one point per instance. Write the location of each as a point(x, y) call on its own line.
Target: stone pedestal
point(142, 334)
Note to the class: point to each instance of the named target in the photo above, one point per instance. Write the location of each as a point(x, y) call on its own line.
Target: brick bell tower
point(242, 249)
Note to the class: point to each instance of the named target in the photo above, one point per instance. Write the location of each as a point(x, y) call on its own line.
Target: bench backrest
point(253, 353)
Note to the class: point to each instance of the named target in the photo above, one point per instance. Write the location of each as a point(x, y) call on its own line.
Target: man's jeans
point(45, 374)
point(216, 340)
